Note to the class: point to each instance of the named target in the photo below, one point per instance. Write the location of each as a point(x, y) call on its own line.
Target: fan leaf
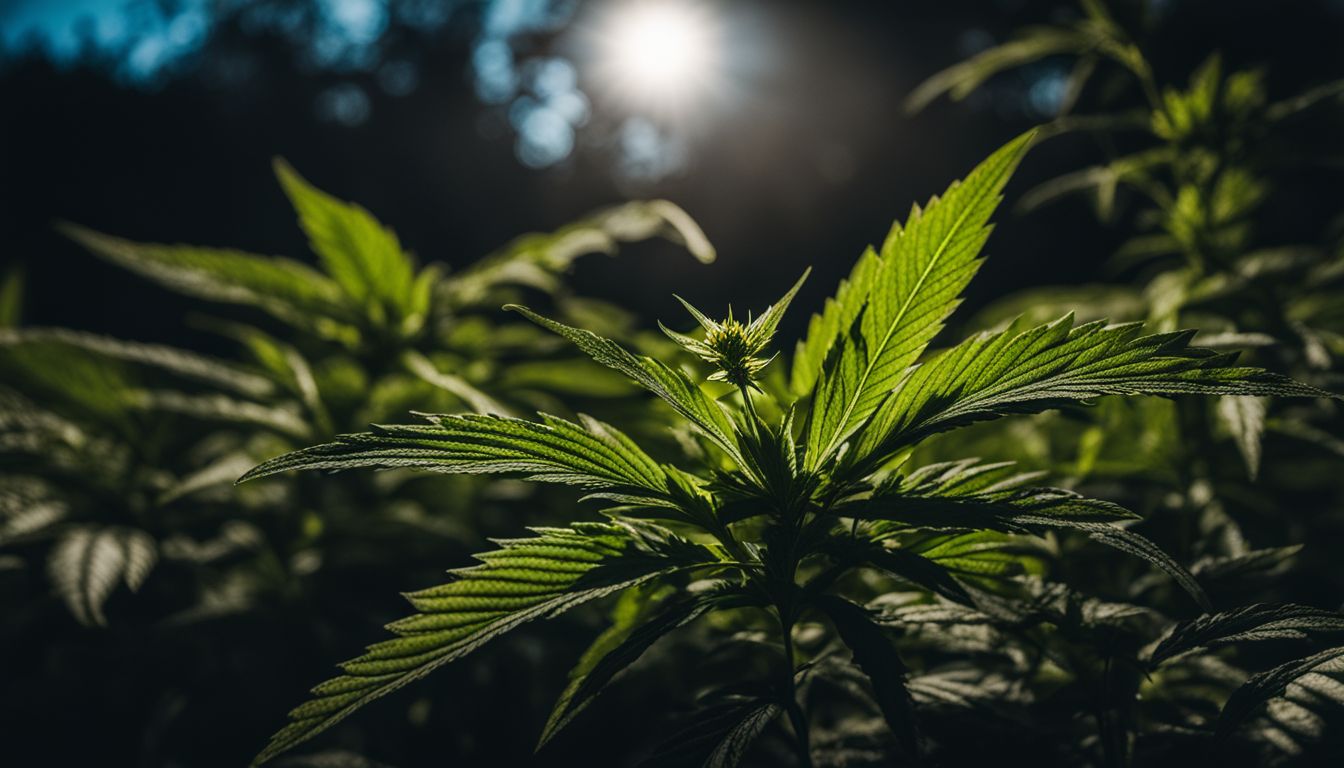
point(674, 388)
point(923, 268)
point(1033, 370)
point(1262, 621)
point(88, 562)
point(525, 579)
point(592, 454)
point(875, 654)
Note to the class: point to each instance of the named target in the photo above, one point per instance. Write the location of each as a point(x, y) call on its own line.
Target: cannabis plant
point(1204, 166)
point(801, 515)
point(118, 455)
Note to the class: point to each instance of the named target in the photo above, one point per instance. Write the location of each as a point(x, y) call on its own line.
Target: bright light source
point(659, 52)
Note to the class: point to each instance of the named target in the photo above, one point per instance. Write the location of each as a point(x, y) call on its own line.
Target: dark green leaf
point(525, 579)
point(875, 654)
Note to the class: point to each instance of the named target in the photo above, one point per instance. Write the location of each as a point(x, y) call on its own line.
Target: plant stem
point(796, 716)
point(751, 410)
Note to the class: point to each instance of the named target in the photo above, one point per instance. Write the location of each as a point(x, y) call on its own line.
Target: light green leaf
point(1028, 371)
point(826, 329)
point(74, 381)
point(292, 368)
point(980, 555)
point(358, 252)
point(222, 471)
point(924, 267)
point(525, 579)
point(674, 388)
point(902, 563)
point(592, 454)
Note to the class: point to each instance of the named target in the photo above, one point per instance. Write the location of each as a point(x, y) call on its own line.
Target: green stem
point(751, 410)
point(796, 716)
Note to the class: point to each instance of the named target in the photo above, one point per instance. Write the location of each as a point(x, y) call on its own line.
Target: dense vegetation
point(1083, 525)
point(814, 515)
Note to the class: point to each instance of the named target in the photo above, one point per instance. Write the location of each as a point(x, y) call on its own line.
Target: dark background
point(808, 159)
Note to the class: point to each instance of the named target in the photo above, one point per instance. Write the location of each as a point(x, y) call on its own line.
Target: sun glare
point(658, 52)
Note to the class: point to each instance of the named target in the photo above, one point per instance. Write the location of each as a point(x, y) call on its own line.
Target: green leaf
point(1262, 562)
point(11, 296)
point(875, 654)
point(221, 471)
point(221, 408)
point(525, 579)
point(1305, 100)
point(88, 562)
point(1262, 621)
point(1102, 180)
point(735, 743)
point(179, 362)
point(1016, 371)
point(980, 555)
point(288, 367)
point(718, 736)
point(592, 454)
point(560, 377)
point(461, 388)
point(963, 496)
point(621, 645)
point(1244, 419)
point(70, 379)
point(360, 254)
point(674, 388)
point(901, 563)
point(28, 507)
point(1262, 687)
point(922, 572)
point(533, 260)
point(961, 79)
point(287, 289)
point(924, 267)
point(826, 329)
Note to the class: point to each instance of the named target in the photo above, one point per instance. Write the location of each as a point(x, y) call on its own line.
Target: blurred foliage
point(1191, 172)
point(1207, 156)
point(117, 458)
